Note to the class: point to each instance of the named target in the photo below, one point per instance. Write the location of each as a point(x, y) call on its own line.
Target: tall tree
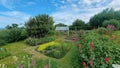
point(39, 26)
point(60, 24)
point(107, 14)
point(77, 24)
point(14, 25)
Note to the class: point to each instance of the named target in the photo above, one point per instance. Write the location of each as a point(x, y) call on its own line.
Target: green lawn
point(21, 49)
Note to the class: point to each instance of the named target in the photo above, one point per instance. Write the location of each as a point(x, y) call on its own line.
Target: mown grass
point(20, 49)
point(15, 49)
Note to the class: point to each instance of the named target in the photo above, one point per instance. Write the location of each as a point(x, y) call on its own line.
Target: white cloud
point(82, 9)
point(31, 3)
point(10, 17)
point(114, 4)
point(7, 4)
point(68, 17)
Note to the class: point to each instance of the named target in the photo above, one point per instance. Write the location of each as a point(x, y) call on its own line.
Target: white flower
point(3, 66)
point(15, 58)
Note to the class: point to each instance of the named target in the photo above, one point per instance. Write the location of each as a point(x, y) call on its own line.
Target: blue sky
point(62, 11)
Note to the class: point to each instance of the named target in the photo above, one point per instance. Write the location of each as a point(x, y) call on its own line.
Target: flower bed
point(55, 49)
point(97, 51)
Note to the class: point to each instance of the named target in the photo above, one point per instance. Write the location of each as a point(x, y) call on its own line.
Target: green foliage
point(102, 30)
point(3, 53)
point(97, 51)
point(31, 41)
point(58, 51)
point(39, 26)
point(60, 24)
point(3, 34)
point(51, 33)
point(111, 22)
point(14, 25)
point(16, 34)
point(77, 24)
point(107, 14)
point(46, 39)
point(35, 41)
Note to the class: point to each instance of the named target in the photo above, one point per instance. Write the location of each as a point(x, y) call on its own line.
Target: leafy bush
point(3, 37)
point(51, 33)
point(31, 41)
point(46, 39)
point(102, 30)
point(111, 22)
point(24, 34)
point(57, 51)
point(35, 41)
point(97, 51)
point(16, 34)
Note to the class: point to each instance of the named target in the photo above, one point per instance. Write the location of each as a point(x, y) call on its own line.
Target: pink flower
point(107, 59)
point(84, 64)
point(33, 62)
point(79, 46)
point(91, 63)
point(91, 46)
point(75, 39)
point(20, 66)
point(45, 66)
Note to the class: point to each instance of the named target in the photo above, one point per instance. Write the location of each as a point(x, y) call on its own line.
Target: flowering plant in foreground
point(97, 53)
point(27, 61)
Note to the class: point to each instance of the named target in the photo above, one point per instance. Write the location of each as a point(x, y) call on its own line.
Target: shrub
point(51, 33)
point(102, 30)
point(32, 41)
point(35, 41)
point(24, 34)
point(46, 39)
point(2, 42)
point(16, 34)
point(113, 22)
point(3, 37)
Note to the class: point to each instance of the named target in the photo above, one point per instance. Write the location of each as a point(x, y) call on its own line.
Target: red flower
point(91, 46)
point(45, 66)
point(75, 39)
point(107, 59)
point(79, 46)
point(91, 63)
point(84, 64)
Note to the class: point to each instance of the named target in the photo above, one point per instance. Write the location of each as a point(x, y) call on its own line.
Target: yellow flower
point(43, 46)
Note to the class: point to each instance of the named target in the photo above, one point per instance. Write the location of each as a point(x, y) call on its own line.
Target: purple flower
point(33, 62)
point(20, 66)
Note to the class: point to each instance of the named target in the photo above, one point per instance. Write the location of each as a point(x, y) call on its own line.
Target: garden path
point(35, 54)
